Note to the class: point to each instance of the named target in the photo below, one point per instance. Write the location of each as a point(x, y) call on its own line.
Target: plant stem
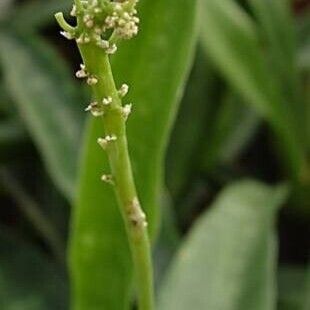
point(98, 65)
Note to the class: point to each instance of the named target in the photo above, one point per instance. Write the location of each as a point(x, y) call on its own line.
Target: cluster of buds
point(98, 108)
point(82, 73)
point(103, 22)
point(123, 20)
point(107, 178)
point(95, 109)
point(106, 141)
point(136, 215)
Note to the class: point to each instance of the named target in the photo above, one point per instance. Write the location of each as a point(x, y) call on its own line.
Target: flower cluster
point(98, 108)
point(104, 22)
point(123, 22)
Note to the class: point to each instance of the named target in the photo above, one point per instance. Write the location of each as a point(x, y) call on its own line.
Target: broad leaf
point(48, 103)
point(231, 39)
point(233, 126)
point(228, 259)
point(191, 127)
point(155, 65)
point(281, 46)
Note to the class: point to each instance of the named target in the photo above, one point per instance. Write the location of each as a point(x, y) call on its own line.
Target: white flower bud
point(104, 142)
point(92, 80)
point(107, 101)
point(111, 49)
point(127, 110)
point(123, 91)
point(107, 178)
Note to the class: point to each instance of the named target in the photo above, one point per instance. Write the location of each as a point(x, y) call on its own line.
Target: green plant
point(100, 25)
point(210, 112)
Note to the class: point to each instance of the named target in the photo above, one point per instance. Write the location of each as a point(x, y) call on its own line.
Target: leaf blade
point(229, 257)
point(46, 100)
point(230, 39)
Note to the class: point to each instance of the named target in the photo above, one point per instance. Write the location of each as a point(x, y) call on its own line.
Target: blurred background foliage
point(244, 113)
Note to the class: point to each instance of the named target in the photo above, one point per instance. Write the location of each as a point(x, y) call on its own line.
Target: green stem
point(98, 65)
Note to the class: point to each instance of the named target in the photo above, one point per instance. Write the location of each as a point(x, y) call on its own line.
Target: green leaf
point(155, 65)
point(223, 125)
point(191, 127)
point(306, 301)
point(25, 17)
point(231, 40)
point(303, 31)
point(228, 260)
point(28, 280)
point(277, 29)
point(292, 288)
point(11, 132)
point(233, 126)
point(48, 103)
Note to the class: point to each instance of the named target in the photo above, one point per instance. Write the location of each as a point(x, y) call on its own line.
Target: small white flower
point(123, 91)
point(86, 39)
point(107, 178)
point(127, 110)
point(89, 23)
point(104, 142)
point(118, 7)
point(95, 109)
point(111, 49)
point(136, 214)
point(103, 44)
point(97, 10)
point(107, 101)
point(83, 39)
point(80, 40)
point(81, 74)
point(92, 80)
point(98, 31)
point(73, 11)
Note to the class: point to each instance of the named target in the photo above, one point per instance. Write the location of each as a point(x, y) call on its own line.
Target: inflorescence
point(102, 23)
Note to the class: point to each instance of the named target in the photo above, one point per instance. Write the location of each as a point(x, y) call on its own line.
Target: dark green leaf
point(11, 132)
point(228, 259)
point(292, 288)
point(191, 128)
point(231, 40)
point(28, 280)
point(155, 65)
point(278, 32)
point(26, 16)
point(233, 127)
point(303, 31)
point(48, 103)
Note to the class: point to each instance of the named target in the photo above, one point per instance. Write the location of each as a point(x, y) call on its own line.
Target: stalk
point(95, 49)
point(121, 177)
